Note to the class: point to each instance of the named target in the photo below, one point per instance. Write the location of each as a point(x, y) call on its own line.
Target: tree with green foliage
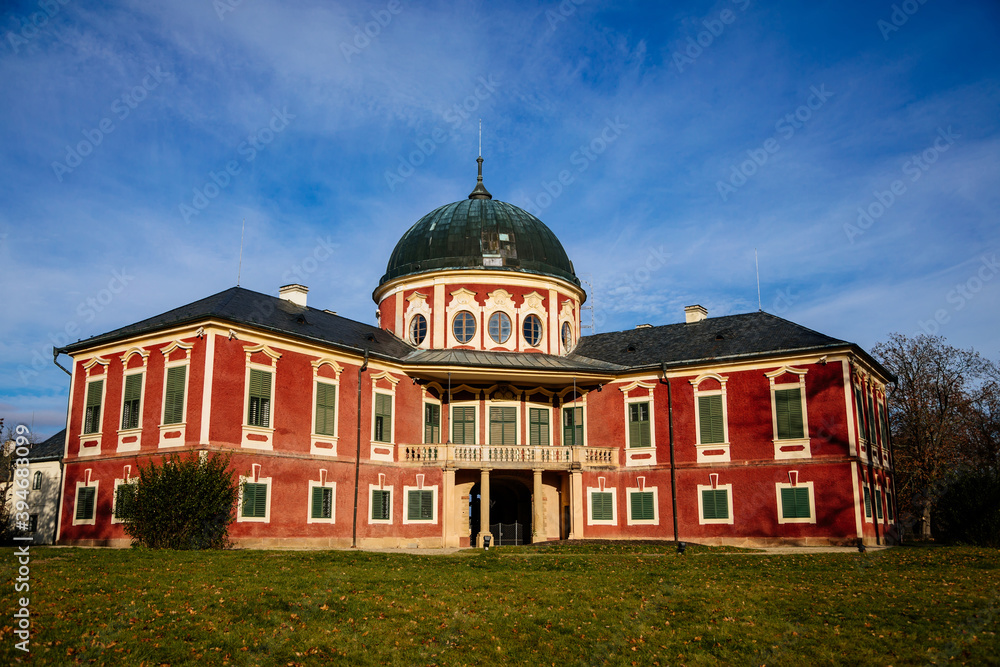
point(185, 503)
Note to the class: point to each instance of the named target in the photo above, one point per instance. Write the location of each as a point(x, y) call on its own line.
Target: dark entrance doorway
point(510, 507)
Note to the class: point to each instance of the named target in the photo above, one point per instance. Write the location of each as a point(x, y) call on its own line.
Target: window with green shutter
point(878, 503)
point(888, 505)
point(602, 506)
point(538, 427)
point(638, 425)
point(503, 426)
point(254, 500)
point(322, 502)
point(92, 416)
point(381, 504)
point(788, 407)
point(868, 502)
point(642, 505)
point(715, 503)
point(383, 418)
point(173, 397)
point(463, 425)
point(36, 482)
point(572, 426)
point(259, 399)
point(85, 496)
point(123, 494)
point(432, 423)
point(710, 419)
point(326, 408)
point(795, 503)
point(130, 401)
point(420, 505)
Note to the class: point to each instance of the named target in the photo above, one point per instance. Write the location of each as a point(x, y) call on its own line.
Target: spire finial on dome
point(480, 192)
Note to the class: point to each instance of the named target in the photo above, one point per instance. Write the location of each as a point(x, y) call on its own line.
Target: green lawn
point(588, 604)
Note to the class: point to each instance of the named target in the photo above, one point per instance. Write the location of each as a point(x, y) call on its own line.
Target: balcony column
point(484, 507)
point(576, 505)
point(538, 516)
point(449, 507)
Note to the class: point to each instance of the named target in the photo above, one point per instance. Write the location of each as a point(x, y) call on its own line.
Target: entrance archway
point(510, 508)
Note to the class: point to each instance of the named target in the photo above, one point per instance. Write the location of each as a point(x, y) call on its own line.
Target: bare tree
point(933, 410)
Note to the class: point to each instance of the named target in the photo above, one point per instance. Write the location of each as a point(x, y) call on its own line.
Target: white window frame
point(90, 443)
point(406, 504)
point(786, 449)
point(728, 488)
point(267, 505)
point(374, 444)
point(529, 406)
point(425, 400)
point(517, 420)
point(95, 485)
point(180, 426)
point(392, 500)
point(263, 435)
point(700, 447)
point(591, 490)
point(114, 496)
point(318, 442)
point(474, 404)
point(812, 501)
point(647, 397)
point(315, 484)
point(655, 521)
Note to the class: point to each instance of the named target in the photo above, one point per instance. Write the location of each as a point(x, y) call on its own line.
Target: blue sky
point(855, 145)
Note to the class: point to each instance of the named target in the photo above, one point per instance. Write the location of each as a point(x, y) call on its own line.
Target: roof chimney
point(695, 313)
point(295, 293)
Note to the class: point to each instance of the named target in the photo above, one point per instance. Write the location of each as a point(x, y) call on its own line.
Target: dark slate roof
point(713, 339)
point(243, 306)
point(50, 449)
point(479, 234)
point(512, 360)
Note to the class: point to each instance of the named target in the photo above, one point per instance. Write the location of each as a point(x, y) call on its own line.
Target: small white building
point(45, 473)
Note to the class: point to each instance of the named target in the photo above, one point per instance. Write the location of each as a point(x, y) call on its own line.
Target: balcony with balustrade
point(516, 457)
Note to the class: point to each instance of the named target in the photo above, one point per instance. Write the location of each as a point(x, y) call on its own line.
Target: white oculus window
point(532, 330)
point(464, 326)
point(499, 327)
point(418, 329)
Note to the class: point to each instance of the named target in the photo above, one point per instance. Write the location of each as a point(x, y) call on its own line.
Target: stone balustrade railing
point(510, 456)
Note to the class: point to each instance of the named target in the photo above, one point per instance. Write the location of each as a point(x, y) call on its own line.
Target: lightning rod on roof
point(480, 137)
point(239, 270)
point(757, 265)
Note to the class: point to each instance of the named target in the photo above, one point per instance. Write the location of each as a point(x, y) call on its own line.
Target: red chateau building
point(476, 408)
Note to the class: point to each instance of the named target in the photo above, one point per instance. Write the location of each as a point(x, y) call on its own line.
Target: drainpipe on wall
point(357, 459)
point(673, 469)
point(62, 482)
point(864, 425)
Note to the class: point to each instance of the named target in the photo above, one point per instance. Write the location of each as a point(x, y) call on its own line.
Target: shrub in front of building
point(185, 503)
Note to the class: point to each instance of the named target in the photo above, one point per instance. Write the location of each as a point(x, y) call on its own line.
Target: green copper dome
point(479, 233)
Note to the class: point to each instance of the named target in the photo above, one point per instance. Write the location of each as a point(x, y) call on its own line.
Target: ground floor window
point(601, 506)
point(715, 504)
point(254, 500)
point(642, 506)
point(796, 504)
point(420, 505)
point(86, 504)
point(32, 523)
point(322, 502)
point(381, 506)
